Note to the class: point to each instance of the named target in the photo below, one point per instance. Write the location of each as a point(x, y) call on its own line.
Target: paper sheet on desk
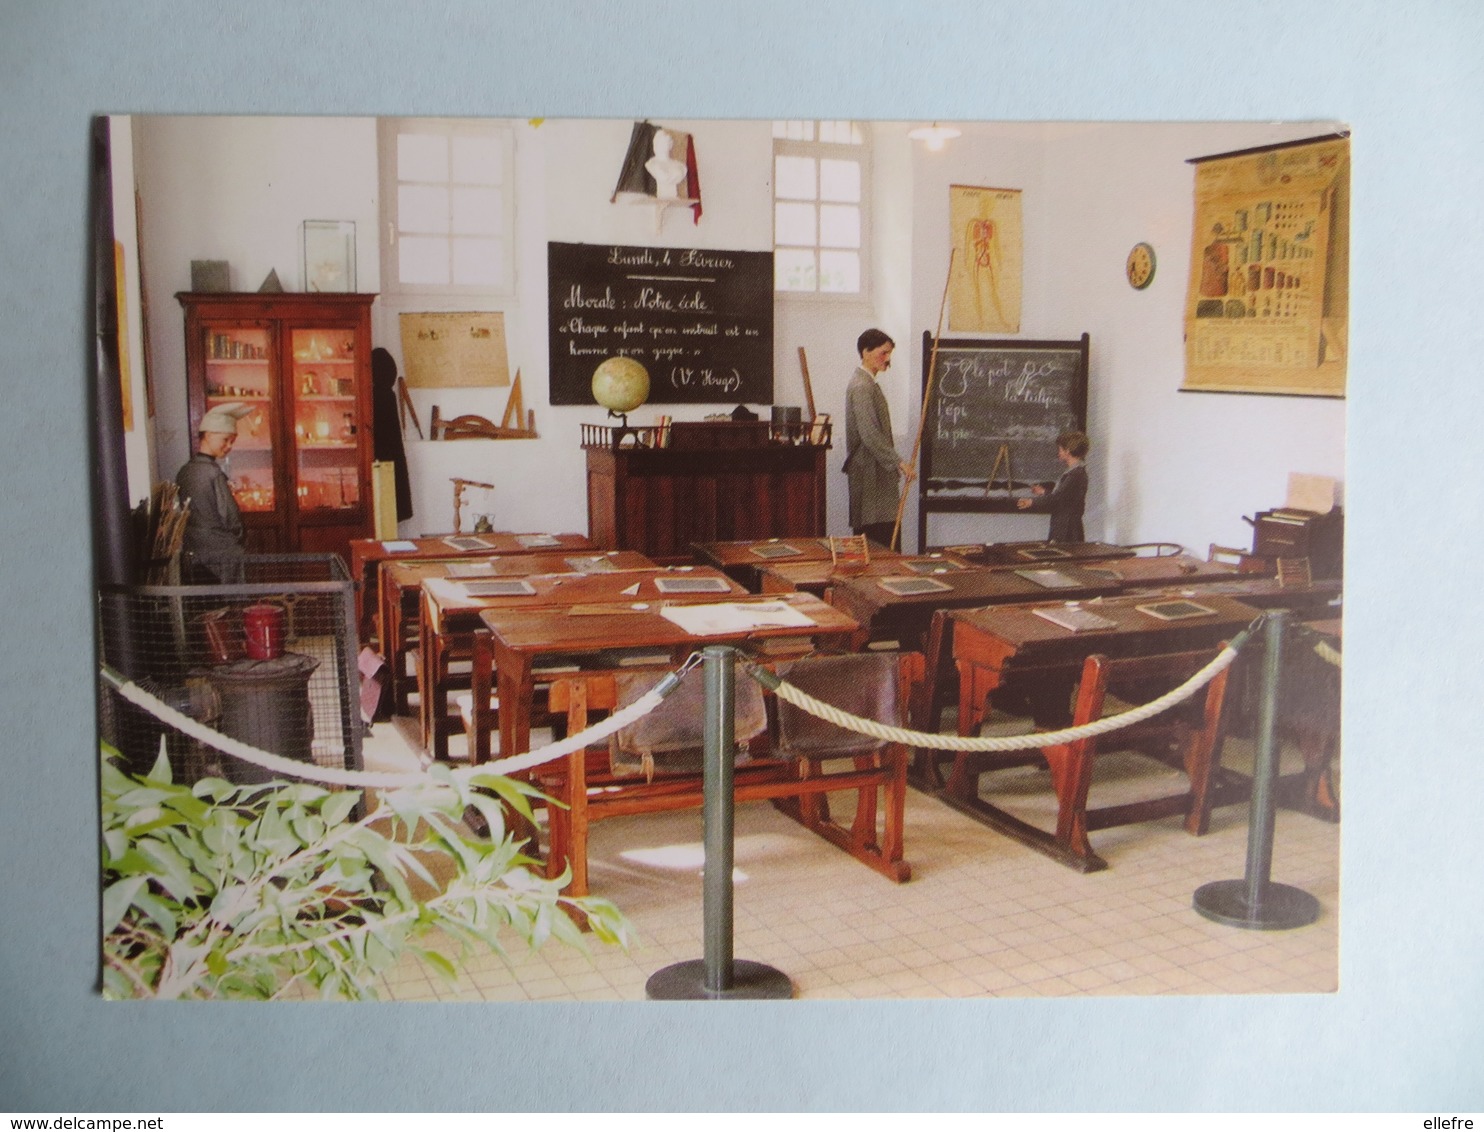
point(454, 592)
point(735, 617)
point(446, 590)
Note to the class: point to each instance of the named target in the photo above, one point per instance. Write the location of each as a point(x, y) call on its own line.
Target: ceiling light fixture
point(935, 135)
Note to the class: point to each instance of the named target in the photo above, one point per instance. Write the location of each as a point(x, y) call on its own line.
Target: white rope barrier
point(935, 741)
point(335, 776)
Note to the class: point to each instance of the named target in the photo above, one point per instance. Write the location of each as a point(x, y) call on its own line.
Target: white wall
point(1165, 465)
point(565, 171)
point(999, 156)
point(1170, 465)
point(827, 326)
point(239, 189)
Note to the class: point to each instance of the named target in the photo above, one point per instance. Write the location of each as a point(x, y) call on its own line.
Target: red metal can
point(262, 625)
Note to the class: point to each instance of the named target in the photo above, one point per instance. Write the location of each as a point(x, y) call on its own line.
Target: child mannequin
point(1067, 498)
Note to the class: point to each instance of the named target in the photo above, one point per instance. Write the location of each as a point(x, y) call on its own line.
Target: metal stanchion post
point(718, 818)
point(1255, 901)
point(718, 975)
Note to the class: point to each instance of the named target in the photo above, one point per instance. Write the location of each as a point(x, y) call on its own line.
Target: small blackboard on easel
point(992, 416)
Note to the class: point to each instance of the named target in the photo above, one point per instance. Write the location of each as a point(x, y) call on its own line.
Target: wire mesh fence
point(270, 661)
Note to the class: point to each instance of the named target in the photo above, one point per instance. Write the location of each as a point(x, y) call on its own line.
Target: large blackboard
point(994, 396)
point(700, 321)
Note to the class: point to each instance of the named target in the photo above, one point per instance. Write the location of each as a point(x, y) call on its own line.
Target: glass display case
point(301, 468)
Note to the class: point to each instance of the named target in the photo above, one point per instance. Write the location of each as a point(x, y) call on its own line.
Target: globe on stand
point(620, 385)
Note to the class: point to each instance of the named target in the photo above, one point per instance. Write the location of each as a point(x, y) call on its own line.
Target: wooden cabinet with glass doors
point(301, 468)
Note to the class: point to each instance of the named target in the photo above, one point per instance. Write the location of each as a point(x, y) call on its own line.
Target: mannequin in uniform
point(1067, 498)
point(213, 552)
point(871, 459)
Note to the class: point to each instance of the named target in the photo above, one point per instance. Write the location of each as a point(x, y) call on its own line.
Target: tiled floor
point(981, 916)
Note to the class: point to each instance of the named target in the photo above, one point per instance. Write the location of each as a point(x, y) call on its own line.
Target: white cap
point(224, 418)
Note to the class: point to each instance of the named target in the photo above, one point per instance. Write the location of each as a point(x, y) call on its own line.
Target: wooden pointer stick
point(808, 388)
point(927, 394)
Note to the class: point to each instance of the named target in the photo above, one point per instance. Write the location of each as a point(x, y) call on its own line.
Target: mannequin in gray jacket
point(871, 461)
point(213, 549)
point(1068, 496)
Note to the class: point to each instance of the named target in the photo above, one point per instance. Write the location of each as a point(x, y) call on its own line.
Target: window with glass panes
point(450, 208)
point(819, 207)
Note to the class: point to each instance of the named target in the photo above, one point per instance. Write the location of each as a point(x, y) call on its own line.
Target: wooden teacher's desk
point(401, 583)
point(450, 610)
point(368, 554)
point(698, 480)
point(742, 559)
point(598, 637)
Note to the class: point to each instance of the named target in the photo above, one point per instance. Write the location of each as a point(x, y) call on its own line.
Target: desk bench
point(588, 788)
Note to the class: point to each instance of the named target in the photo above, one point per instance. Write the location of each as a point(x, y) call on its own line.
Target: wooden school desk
point(742, 559)
point(913, 619)
point(996, 646)
point(1011, 648)
point(816, 576)
point(1036, 553)
point(507, 654)
point(1309, 711)
point(368, 554)
point(401, 581)
point(1136, 576)
point(1318, 598)
point(907, 617)
point(449, 620)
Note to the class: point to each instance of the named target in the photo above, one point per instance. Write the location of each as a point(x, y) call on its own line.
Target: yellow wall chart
point(452, 349)
point(984, 293)
point(1267, 304)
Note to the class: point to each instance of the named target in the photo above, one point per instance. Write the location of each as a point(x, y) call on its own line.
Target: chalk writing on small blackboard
point(992, 417)
point(994, 395)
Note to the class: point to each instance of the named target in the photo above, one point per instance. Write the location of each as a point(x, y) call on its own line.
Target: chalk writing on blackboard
point(699, 320)
point(997, 408)
point(992, 419)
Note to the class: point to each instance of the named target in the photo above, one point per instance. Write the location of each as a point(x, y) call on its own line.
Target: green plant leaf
point(117, 899)
point(338, 806)
point(160, 911)
point(438, 961)
point(515, 794)
point(380, 853)
point(306, 898)
point(174, 872)
point(160, 772)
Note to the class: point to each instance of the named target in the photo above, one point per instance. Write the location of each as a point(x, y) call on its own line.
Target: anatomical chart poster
point(984, 286)
point(1267, 304)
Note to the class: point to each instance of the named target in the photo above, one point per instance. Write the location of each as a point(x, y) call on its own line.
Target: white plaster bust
point(666, 171)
